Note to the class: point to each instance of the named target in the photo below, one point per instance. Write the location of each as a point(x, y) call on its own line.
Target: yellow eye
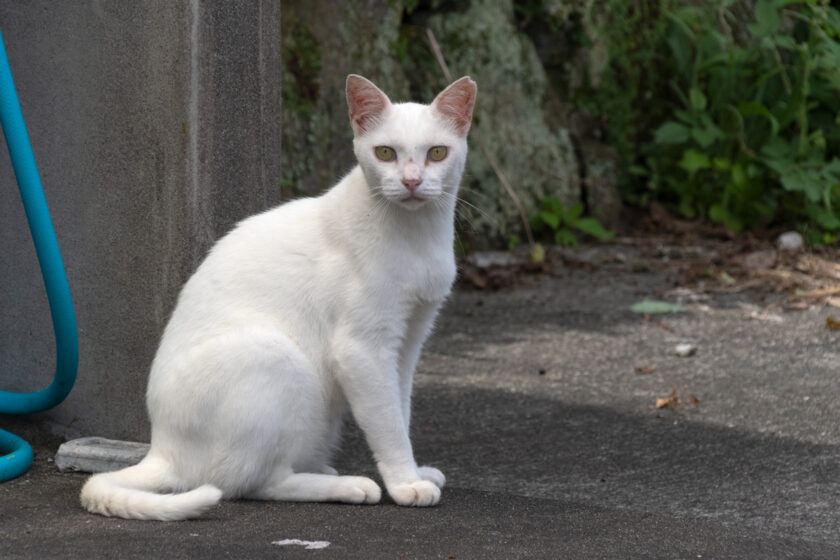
point(384, 153)
point(438, 153)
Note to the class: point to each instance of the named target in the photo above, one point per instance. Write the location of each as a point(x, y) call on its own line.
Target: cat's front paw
point(433, 475)
point(418, 494)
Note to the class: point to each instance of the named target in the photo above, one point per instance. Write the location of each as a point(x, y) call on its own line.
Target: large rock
point(537, 159)
point(324, 41)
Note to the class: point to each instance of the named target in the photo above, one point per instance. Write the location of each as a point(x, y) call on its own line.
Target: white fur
point(300, 314)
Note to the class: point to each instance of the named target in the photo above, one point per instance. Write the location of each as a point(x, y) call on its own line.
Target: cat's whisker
point(465, 215)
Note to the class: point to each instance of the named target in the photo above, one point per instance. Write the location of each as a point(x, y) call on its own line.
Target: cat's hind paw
point(358, 490)
point(433, 475)
point(417, 494)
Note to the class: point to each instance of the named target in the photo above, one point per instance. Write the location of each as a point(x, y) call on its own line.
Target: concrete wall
point(156, 127)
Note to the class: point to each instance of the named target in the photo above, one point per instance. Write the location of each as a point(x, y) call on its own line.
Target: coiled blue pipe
point(18, 460)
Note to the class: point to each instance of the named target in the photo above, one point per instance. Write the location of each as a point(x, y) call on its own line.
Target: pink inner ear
point(366, 103)
point(456, 104)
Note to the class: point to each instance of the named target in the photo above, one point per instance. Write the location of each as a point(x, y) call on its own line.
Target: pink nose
point(411, 184)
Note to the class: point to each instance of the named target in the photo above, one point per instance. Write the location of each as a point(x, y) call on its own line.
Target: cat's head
point(411, 154)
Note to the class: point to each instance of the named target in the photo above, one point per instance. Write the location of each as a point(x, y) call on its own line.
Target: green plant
point(564, 224)
point(630, 90)
point(753, 136)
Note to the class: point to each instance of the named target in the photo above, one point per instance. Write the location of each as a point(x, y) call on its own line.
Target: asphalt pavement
point(539, 403)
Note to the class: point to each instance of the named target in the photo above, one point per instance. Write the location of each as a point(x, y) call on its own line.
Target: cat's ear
point(455, 104)
point(366, 102)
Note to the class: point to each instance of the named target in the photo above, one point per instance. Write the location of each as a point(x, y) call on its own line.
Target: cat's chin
point(412, 202)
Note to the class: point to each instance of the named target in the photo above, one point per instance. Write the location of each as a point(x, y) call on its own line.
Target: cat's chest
point(415, 274)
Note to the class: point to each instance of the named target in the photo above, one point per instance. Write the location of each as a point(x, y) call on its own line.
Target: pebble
point(685, 350)
point(790, 241)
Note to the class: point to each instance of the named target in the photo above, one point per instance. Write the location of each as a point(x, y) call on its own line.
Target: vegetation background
point(726, 111)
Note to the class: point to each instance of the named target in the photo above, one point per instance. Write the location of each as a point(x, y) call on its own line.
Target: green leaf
point(671, 133)
point(698, 99)
point(785, 42)
point(655, 307)
point(537, 225)
point(513, 241)
point(551, 220)
point(721, 164)
point(693, 161)
point(767, 20)
point(805, 181)
point(684, 116)
point(753, 108)
point(739, 177)
point(707, 133)
point(594, 228)
point(824, 217)
point(574, 213)
point(687, 207)
point(778, 148)
point(554, 206)
point(638, 170)
point(717, 213)
point(720, 214)
point(566, 238)
point(814, 237)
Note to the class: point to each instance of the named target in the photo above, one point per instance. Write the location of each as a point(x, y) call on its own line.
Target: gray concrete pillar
point(156, 127)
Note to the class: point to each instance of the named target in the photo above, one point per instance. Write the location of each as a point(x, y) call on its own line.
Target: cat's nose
point(411, 183)
point(412, 176)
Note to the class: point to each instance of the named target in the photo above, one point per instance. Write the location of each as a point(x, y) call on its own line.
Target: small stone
point(485, 259)
point(790, 241)
point(685, 350)
point(95, 454)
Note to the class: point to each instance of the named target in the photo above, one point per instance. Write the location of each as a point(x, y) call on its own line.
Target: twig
point(477, 137)
point(658, 323)
point(817, 293)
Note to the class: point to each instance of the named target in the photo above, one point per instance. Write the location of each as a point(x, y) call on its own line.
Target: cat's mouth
point(413, 201)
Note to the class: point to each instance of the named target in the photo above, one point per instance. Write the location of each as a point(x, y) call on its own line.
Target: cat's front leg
point(419, 326)
point(369, 378)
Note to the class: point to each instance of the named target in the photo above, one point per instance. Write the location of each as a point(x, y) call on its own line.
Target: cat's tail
point(130, 493)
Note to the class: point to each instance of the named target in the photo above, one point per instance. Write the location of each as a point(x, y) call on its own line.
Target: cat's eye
point(437, 153)
point(384, 153)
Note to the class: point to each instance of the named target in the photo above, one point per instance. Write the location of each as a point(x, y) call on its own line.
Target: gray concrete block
point(96, 454)
point(155, 127)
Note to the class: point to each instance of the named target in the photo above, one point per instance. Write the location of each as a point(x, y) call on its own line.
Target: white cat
point(300, 314)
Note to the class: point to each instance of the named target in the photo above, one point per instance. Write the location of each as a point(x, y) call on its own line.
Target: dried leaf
point(763, 316)
point(537, 253)
point(646, 369)
point(671, 401)
point(818, 267)
point(726, 278)
point(832, 323)
point(657, 322)
point(817, 293)
point(833, 301)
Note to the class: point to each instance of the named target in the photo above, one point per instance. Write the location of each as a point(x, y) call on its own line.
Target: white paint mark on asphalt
point(309, 545)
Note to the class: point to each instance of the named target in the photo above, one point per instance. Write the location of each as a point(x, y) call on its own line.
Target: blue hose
point(52, 270)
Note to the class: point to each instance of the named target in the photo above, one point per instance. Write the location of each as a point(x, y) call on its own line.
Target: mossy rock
point(537, 160)
point(478, 38)
point(323, 42)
